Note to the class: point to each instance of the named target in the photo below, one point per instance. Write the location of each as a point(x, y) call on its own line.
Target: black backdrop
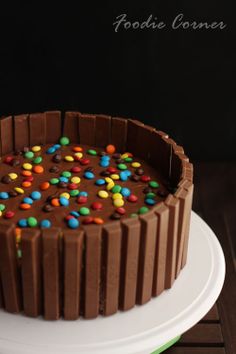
point(68, 56)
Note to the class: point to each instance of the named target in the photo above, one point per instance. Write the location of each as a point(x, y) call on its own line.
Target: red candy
point(88, 220)
point(76, 158)
point(82, 199)
point(8, 159)
point(72, 186)
point(121, 210)
point(68, 217)
point(28, 179)
point(132, 198)
point(84, 161)
point(145, 178)
point(111, 170)
point(96, 206)
point(9, 214)
point(75, 169)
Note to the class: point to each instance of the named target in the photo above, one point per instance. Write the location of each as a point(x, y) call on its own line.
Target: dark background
point(68, 57)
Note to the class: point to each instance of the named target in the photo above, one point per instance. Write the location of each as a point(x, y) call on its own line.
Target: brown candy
point(13, 194)
point(115, 216)
point(6, 179)
point(105, 173)
point(15, 162)
point(139, 171)
point(135, 178)
point(62, 185)
point(147, 190)
point(116, 156)
point(57, 158)
point(48, 208)
point(54, 169)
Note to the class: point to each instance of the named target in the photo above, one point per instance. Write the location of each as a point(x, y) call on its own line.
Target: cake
point(94, 214)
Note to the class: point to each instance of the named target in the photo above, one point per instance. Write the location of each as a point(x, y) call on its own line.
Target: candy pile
point(116, 178)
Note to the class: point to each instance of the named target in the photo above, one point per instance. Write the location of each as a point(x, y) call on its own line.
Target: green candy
point(64, 140)
point(29, 154)
point(128, 159)
point(66, 174)
point(2, 207)
point(153, 184)
point(122, 166)
point(54, 180)
point(133, 215)
point(151, 195)
point(37, 160)
point(32, 222)
point(116, 189)
point(84, 211)
point(143, 210)
point(19, 253)
point(74, 192)
point(92, 152)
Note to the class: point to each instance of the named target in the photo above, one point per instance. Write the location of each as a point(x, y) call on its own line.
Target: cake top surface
point(69, 185)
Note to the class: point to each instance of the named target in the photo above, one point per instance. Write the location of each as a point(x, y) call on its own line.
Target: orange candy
point(110, 149)
point(44, 186)
point(98, 221)
point(26, 173)
point(55, 202)
point(77, 149)
point(26, 184)
point(25, 206)
point(38, 169)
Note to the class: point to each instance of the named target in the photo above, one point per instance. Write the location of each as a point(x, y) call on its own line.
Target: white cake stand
point(141, 330)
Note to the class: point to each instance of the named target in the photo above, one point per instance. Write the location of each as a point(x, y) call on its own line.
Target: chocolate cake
point(94, 214)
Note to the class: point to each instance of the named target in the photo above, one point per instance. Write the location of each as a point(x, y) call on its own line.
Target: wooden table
point(215, 202)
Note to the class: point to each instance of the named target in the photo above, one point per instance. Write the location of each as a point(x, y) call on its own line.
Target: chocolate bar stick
point(53, 126)
point(21, 131)
point(103, 130)
point(71, 126)
point(119, 133)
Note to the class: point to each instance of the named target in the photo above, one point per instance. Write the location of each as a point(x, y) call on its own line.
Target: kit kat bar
point(160, 152)
point(73, 253)
point(8, 268)
point(87, 129)
point(103, 130)
point(21, 131)
point(6, 135)
point(189, 187)
point(146, 257)
point(93, 241)
point(31, 272)
point(110, 268)
point(119, 133)
point(173, 205)
point(37, 128)
point(129, 262)
point(132, 143)
point(177, 160)
point(53, 126)
point(50, 238)
point(162, 213)
point(71, 126)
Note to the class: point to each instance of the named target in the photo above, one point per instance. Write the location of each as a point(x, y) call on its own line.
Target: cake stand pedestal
point(139, 331)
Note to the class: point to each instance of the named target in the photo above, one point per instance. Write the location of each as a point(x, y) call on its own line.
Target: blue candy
point(75, 214)
point(125, 192)
point(22, 223)
point(56, 146)
point(100, 182)
point(35, 195)
point(128, 172)
point(63, 179)
point(123, 176)
point(104, 163)
point(105, 157)
point(50, 150)
point(64, 201)
point(4, 195)
point(150, 201)
point(83, 194)
point(73, 223)
point(89, 175)
point(45, 224)
point(28, 200)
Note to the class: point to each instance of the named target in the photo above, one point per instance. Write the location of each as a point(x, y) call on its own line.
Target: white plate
point(140, 330)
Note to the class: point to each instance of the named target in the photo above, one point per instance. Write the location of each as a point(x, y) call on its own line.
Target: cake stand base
point(139, 331)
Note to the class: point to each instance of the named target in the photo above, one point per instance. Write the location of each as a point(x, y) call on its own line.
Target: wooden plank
point(192, 350)
point(212, 315)
point(203, 334)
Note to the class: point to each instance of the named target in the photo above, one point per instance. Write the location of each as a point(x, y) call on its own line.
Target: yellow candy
point(115, 176)
point(135, 164)
point(65, 195)
point(108, 179)
point(69, 158)
point(19, 190)
point(36, 148)
point(75, 180)
point(0, 213)
point(123, 156)
point(27, 166)
point(110, 185)
point(103, 194)
point(79, 155)
point(12, 176)
point(118, 202)
point(117, 196)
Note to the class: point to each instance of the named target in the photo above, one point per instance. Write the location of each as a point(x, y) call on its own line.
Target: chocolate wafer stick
point(6, 135)
point(146, 257)
point(87, 129)
point(50, 239)
point(71, 126)
point(31, 272)
point(93, 238)
point(189, 187)
point(103, 130)
point(110, 268)
point(21, 131)
point(8, 268)
point(119, 133)
point(173, 205)
point(73, 251)
point(53, 126)
point(37, 128)
point(129, 262)
point(132, 143)
point(162, 213)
